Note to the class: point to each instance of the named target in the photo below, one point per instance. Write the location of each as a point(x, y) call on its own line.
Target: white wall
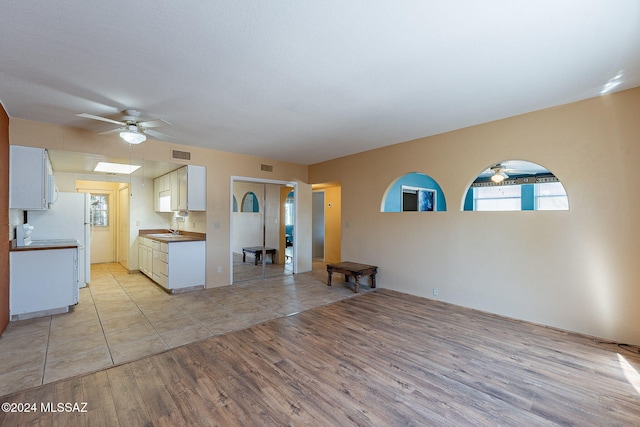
point(248, 226)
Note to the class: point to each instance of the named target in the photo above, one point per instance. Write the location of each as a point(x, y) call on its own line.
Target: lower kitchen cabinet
point(145, 256)
point(174, 266)
point(42, 282)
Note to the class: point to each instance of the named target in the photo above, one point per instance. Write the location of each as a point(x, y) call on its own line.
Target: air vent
point(182, 155)
point(266, 168)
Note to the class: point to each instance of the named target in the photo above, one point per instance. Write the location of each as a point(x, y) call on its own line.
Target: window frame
point(432, 196)
point(95, 209)
point(497, 187)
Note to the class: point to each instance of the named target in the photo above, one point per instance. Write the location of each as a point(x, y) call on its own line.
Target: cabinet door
point(197, 188)
point(142, 257)
point(156, 194)
point(182, 189)
point(162, 194)
point(149, 261)
point(27, 178)
point(173, 187)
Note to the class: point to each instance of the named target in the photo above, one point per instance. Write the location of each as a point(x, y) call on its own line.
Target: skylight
point(119, 168)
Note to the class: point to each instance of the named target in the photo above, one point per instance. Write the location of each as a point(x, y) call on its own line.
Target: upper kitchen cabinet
point(192, 188)
point(184, 189)
point(31, 182)
point(162, 190)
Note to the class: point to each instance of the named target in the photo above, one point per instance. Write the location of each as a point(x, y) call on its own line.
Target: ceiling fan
point(132, 128)
point(499, 173)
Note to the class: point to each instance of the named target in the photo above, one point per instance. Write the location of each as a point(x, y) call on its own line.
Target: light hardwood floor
point(122, 317)
point(380, 359)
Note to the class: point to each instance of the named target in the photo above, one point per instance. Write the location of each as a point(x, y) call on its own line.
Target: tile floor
point(122, 317)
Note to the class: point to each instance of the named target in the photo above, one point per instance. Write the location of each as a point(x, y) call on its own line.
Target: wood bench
point(257, 253)
point(353, 269)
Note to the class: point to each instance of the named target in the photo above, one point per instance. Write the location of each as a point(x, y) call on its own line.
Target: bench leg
point(329, 278)
point(257, 258)
point(373, 281)
point(244, 256)
point(357, 283)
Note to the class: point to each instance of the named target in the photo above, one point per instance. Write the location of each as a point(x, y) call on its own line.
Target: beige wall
point(576, 270)
point(221, 166)
point(332, 224)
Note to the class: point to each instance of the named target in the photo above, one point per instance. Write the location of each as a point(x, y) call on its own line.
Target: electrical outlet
point(219, 269)
point(435, 292)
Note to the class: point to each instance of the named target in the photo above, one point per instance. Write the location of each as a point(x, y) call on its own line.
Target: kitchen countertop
point(39, 245)
point(163, 236)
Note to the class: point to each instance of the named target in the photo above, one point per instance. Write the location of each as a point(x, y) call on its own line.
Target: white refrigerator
point(68, 218)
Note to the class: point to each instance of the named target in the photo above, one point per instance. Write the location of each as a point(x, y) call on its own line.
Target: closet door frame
point(293, 184)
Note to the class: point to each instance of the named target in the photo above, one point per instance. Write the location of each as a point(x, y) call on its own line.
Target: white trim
point(293, 184)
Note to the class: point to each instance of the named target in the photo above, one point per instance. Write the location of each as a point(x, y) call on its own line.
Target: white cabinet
point(145, 256)
point(184, 189)
point(42, 282)
point(162, 194)
point(160, 261)
point(192, 188)
point(178, 265)
point(173, 186)
point(31, 185)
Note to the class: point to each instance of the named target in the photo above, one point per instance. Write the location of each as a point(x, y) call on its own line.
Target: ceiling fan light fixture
point(133, 137)
point(498, 177)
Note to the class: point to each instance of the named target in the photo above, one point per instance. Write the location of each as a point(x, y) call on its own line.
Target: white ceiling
point(308, 81)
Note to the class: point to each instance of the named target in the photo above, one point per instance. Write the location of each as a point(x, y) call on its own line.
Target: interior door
point(259, 240)
point(248, 230)
point(123, 227)
point(317, 230)
point(274, 238)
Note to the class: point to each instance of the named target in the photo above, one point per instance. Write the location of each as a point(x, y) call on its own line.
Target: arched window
point(235, 204)
point(250, 202)
point(516, 185)
point(413, 192)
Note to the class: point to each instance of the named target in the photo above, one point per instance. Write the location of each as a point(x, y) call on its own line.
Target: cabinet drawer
point(161, 279)
point(162, 256)
point(160, 267)
point(155, 245)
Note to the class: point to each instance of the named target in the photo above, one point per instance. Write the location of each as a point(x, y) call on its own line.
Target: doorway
point(317, 230)
point(327, 222)
point(263, 228)
point(122, 220)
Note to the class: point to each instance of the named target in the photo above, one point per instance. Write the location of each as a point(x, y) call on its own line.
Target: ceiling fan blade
point(153, 123)
point(112, 131)
point(157, 135)
point(103, 119)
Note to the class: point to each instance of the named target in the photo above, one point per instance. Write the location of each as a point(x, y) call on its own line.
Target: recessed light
point(121, 168)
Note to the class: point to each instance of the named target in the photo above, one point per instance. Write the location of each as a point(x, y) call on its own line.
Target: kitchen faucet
point(174, 231)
